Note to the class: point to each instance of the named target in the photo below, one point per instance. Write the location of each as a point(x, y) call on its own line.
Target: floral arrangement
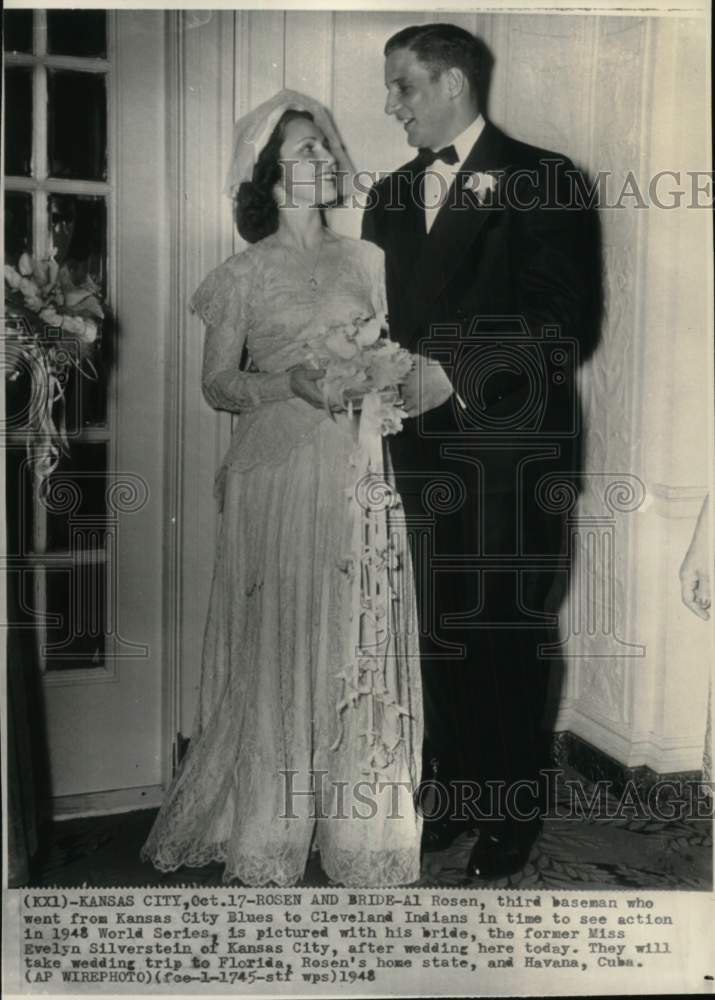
point(53, 322)
point(360, 361)
point(48, 292)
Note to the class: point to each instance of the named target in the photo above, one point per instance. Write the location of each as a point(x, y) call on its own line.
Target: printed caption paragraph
point(310, 941)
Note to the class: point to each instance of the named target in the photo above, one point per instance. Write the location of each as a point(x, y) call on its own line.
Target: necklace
point(311, 279)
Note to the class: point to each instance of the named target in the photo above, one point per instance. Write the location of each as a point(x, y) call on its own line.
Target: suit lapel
point(405, 235)
point(407, 209)
point(453, 231)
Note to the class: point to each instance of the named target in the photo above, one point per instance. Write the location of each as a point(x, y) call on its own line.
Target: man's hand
point(426, 388)
point(304, 383)
point(695, 571)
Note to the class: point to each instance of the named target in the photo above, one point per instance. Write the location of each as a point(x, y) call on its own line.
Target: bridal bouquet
point(362, 366)
point(52, 323)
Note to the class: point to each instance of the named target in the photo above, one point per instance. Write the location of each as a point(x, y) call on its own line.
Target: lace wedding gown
point(277, 714)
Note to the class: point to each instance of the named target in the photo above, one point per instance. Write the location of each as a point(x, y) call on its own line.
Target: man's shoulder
point(525, 155)
point(388, 190)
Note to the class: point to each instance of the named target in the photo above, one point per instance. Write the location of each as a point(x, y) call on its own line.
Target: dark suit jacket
point(503, 290)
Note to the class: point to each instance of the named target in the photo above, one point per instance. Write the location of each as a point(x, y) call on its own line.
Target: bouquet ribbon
point(376, 603)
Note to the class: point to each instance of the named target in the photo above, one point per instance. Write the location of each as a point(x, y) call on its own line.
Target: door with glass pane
point(84, 89)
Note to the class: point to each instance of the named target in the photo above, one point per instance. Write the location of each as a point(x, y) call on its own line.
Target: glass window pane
point(78, 234)
point(17, 30)
point(77, 125)
point(77, 32)
point(21, 390)
point(18, 121)
point(86, 390)
point(18, 225)
point(26, 385)
point(78, 227)
point(75, 499)
point(76, 600)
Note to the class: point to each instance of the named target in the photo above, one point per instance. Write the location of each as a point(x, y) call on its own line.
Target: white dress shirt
point(439, 177)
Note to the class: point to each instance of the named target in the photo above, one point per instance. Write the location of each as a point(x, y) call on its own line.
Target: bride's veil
point(253, 130)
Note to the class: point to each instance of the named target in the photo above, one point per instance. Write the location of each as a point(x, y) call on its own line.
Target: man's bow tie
point(428, 156)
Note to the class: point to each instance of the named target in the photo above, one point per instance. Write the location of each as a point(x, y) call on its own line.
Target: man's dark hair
point(256, 208)
point(441, 47)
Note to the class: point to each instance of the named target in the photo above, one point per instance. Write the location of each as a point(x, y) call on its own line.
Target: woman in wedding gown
point(292, 748)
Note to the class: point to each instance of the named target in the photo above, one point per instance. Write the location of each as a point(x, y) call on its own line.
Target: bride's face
point(307, 165)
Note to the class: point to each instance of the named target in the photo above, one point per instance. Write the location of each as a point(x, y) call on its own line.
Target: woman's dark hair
point(256, 208)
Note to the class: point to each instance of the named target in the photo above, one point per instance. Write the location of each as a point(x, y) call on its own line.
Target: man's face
point(422, 104)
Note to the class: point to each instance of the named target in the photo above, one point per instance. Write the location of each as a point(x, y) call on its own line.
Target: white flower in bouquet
point(390, 413)
point(341, 345)
point(78, 326)
point(359, 360)
point(12, 278)
point(49, 292)
point(84, 298)
point(24, 265)
point(389, 365)
point(31, 293)
point(370, 331)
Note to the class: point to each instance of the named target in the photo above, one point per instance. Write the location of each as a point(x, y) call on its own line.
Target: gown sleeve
point(375, 265)
point(223, 303)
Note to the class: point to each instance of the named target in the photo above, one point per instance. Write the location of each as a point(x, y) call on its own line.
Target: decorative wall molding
point(629, 746)
point(570, 750)
point(173, 470)
point(594, 726)
point(677, 502)
point(201, 78)
point(117, 800)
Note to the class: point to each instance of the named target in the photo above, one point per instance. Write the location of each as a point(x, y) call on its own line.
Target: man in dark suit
point(487, 280)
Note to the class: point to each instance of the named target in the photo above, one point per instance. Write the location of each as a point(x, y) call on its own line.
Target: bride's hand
point(304, 383)
point(356, 396)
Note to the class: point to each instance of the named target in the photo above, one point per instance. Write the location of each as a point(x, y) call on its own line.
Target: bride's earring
point(280, 190)
point(279, 194)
